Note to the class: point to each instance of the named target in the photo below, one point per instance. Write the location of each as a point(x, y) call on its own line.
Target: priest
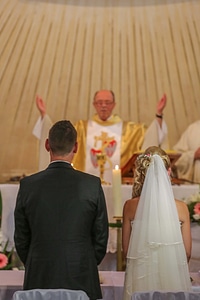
point(188, 165)
point(105, 140)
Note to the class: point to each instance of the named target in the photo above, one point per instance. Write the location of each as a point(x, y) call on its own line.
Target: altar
point(180, 192)
point(9, 194)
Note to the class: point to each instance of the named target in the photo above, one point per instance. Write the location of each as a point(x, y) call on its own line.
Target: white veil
point(156, 256)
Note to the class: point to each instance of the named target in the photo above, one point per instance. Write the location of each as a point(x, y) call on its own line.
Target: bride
point(156, 235)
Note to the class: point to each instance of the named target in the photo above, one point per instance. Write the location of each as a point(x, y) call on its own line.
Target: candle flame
point(116, 167)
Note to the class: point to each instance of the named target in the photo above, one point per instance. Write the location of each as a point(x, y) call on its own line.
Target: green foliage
point(9, 256)
point(193, 204)
point(191, 211)
point(115, 225)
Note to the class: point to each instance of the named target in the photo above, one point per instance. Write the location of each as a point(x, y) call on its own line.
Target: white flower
point(195, 198)
point(187, 201)
point(193, 203)
point(196, 217)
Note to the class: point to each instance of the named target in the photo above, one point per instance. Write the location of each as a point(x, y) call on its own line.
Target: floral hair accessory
point(148, 155)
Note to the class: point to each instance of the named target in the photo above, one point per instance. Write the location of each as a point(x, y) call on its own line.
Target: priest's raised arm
point(106, 132)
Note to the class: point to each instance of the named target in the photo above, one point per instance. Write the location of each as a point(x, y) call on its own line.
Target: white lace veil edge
point(156, 221)
point(156, 256)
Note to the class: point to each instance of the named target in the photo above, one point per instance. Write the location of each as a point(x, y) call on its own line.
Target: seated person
point(106, 133)
point(156, 236)
point(188, 165)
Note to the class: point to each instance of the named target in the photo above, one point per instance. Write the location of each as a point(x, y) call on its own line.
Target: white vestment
point(189, 142)
point(95, 141)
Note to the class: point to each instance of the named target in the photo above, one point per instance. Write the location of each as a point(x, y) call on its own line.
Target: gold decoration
point(102, 157)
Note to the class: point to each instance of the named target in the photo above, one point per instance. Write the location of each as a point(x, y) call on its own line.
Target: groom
point(61, 224)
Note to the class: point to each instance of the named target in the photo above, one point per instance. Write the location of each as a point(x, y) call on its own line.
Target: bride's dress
point(156, 258)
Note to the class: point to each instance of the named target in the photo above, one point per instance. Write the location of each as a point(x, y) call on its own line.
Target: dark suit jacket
point(61, 229)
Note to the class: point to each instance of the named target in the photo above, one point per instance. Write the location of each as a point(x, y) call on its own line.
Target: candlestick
point(117, 192)
point(121, 264)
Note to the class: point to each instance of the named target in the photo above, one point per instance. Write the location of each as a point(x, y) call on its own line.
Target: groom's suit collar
point(60, 163)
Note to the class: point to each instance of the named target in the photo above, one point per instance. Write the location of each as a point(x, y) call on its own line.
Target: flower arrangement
point(193, 203)
point(5, 257)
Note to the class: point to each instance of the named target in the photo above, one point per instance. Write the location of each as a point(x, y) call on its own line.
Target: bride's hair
point(141, 165)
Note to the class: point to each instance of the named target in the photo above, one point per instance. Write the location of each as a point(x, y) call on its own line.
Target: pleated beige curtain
point(65, 50)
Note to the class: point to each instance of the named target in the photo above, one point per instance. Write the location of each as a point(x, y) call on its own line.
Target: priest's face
point(104, 104)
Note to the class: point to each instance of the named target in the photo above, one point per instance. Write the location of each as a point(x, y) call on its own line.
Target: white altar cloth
point(180, 192)
point(9, 194)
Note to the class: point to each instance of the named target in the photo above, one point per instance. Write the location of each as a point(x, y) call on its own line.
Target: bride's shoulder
point(130, 207)
point(133, 202)
point(182, 209)
point(181, 204)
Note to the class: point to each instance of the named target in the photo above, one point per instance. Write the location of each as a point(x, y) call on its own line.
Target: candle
point(117, 192)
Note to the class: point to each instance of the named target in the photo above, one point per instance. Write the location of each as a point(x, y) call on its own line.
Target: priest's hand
point(197, 154)
point(161, 105)
point(41, 106)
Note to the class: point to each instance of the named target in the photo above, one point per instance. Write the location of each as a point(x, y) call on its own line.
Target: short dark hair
point(62, 137)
